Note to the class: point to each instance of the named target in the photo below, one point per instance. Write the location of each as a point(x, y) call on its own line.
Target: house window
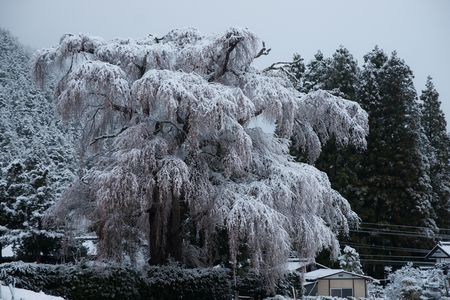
point(341, 292)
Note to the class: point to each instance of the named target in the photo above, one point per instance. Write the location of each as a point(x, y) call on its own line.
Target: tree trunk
point(175, 238)
point(165, 243)
point(156, 255)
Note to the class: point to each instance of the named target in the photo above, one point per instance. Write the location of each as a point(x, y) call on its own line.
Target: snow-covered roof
point(441, 250)
point(294, 264)
point(321, 273)
point(297, 264)
point(445, 246)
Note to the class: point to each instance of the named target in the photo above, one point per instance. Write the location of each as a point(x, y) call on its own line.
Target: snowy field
point(21, 294)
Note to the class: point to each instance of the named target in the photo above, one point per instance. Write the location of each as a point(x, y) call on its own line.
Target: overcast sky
point(418, 29)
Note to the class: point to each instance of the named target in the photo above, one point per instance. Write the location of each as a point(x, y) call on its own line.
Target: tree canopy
point(172, 160)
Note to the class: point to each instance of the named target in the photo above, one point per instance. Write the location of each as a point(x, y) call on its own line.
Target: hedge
point(95, 281)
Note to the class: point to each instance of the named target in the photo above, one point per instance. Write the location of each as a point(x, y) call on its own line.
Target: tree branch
point(108, 136)
point(275, 66)
point(142, 68)
point(263, 51)
point(282, 66)
point(123, 109)
point(289, 63)
point(232, 45)
point(289, 74)
point(210, 154)
point(159, 128)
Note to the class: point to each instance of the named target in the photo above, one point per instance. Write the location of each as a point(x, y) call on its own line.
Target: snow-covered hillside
point(37, 157)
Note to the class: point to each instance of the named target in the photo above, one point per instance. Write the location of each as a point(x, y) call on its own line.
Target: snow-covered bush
point(105, 281)
point(375, 291)
point(435, 285)
point(411, 283)
point(405, 283)
point(175, 282)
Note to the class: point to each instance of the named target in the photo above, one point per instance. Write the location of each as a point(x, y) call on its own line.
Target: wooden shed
point(336, 282)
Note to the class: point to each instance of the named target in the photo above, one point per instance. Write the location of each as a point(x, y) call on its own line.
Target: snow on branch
point(70, 46)
point(91, 79)
point(263, 50)
point(345, 121)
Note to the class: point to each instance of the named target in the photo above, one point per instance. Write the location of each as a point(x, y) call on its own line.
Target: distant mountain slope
point(29, 126)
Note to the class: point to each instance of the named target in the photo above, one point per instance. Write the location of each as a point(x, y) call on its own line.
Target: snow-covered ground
point(22, 294)
point(8, 251)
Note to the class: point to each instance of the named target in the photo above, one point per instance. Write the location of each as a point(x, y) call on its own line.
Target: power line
point(387, 248)
point(401, 262)
point(393, 233)
point(392, 230)
point(393, 256)
point(398, 233)
point(405, 226)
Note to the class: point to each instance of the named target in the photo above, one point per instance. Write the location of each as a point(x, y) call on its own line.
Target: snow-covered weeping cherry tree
point(172, 160)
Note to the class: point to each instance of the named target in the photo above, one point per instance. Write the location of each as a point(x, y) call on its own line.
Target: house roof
point(441, 250)
point(294, 263)
point(297, 264)
point(322, 273)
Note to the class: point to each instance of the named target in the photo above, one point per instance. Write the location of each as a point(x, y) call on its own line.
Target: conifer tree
point(435, 127)
point(316, 73)
point(395, 187)
point(341, 163)
point(339, 76)
point(393, 175)
point(343, 74)
point(25, 195)
point(349, 260)
point(297, 69)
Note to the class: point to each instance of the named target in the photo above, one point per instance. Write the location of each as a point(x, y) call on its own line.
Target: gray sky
point(418, 29)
